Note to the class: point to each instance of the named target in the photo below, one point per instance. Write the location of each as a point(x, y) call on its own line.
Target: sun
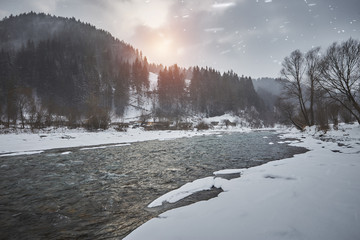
point(163, 48)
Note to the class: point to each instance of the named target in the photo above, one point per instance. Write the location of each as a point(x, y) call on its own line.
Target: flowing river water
point(103, 193)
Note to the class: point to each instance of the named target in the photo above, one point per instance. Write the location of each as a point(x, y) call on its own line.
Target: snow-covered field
point(315, 195)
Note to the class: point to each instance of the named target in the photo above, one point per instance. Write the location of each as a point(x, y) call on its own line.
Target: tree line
point(48, 83)
point(57, 71)
point(206, 92)
point(322, 87)
point(214, 94)
point(69, 70)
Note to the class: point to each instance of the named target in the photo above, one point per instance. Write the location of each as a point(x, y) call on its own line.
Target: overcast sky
point(251, 37)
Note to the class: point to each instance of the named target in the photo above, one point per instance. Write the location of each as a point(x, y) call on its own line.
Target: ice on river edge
point(198, 185)
point(315, 195)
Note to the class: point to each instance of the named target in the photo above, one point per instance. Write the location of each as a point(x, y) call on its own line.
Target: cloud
point(214, 30)
point(224, 5)
point(3, 14)
point(45, 5)
point(19, 6)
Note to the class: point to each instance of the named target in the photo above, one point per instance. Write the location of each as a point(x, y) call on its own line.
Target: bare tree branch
point(340, 74)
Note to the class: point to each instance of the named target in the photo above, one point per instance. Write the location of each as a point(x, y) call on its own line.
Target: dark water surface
point(103, 193)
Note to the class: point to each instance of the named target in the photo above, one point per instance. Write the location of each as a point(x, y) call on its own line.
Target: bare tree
point(288, 110)
point(294, 68)
point(340, 75)
point(11, 108)
point(24, 101)
point(1, 114)
point(98, 116)
point(313, 63)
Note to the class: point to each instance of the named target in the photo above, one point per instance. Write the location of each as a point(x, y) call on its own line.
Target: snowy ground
point(315, 195)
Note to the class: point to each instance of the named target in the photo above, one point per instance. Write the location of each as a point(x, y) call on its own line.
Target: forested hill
point(64, 62)
point(55, 68)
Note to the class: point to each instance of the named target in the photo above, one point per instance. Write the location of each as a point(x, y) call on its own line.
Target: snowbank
point(184, 191)
point(315, 195)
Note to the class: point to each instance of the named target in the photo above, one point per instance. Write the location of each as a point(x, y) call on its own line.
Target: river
point(103, 193)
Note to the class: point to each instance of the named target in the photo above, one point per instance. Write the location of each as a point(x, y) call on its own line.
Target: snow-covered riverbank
point(20, 142)
point(30, 143)
point(315, 195)
point(33, 143)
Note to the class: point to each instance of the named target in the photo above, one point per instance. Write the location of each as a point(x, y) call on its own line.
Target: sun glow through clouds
point(163, 46)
